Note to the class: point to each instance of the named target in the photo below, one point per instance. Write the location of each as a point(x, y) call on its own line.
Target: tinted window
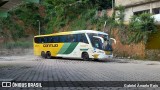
point(83, 38)
point(56, 39)
point(49, 39)
point(62, 38)
point(91, 37)
point(45, 39)
point(72, 38)
point(37, 40)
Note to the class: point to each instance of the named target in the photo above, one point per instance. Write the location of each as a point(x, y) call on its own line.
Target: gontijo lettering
point(50, 45)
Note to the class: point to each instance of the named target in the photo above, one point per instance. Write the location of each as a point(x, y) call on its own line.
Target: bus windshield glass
point(98, 43)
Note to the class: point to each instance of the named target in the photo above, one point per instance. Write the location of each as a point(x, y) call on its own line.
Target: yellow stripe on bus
point(54, 48)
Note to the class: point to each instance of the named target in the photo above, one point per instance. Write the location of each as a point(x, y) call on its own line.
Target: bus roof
point(74, 32)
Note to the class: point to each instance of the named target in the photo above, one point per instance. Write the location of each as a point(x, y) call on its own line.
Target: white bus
point(81, 44)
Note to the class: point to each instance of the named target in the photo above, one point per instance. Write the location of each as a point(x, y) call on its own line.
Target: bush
point(140, 27)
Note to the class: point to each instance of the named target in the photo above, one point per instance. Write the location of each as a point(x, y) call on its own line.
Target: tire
point(48, 55)
point(43, 55)
point(96, 60)
point(85, 56)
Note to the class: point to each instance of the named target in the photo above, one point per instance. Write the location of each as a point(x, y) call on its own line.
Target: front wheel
point(85, 56)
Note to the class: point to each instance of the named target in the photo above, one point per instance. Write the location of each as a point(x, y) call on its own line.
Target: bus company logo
point(50, 45)
point(6, 84)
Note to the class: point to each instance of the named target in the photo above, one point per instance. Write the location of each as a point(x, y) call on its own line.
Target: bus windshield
point(100, 41)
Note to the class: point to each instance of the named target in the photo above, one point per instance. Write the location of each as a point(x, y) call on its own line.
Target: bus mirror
point(114, 40)
point(102, 40)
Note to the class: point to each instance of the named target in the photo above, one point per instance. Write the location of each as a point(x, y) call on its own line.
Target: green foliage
point(16, 31)
point(143, 22)
point(99, 4)
point(111, 24)
point(65, 9)
point(21, 19)
point(89, 14)
point(78, 24)
point(141, 26)
point(28, 13)
point(78, 13)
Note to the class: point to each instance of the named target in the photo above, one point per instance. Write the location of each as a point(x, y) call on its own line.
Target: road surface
point(31, 68)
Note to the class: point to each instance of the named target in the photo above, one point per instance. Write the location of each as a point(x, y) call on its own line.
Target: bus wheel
point(85, 56)
point(48, 55)
point(43, 55)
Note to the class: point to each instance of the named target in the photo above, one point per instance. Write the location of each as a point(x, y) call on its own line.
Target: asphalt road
point(65, 72)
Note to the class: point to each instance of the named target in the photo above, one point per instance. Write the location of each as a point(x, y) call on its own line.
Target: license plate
point(108, 52)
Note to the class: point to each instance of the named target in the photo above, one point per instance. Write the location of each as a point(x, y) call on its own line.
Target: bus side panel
point(52, 47)
point(55, 49)
point(76, 52)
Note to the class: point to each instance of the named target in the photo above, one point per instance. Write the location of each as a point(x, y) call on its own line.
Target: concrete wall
point(128, 14)
point(126, 2)
point(132, 6)
point(131, 2)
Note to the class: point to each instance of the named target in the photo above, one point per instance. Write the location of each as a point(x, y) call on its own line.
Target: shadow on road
point(100, 61)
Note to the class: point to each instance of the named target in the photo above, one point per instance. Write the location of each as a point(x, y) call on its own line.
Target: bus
point(81, 44)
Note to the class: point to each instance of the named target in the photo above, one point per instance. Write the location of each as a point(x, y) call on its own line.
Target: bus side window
point(63, 38)
point(52, 39)
point(60, 38)
point(67, 38)
point(36, 39)
point(83, 38)
point(42, 39)
point(78, 37)
point(45, 40)
point(74, 38)
point(56, 39)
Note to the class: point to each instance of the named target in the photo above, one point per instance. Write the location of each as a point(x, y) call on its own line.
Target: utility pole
point(112, 5)
point(39, 27)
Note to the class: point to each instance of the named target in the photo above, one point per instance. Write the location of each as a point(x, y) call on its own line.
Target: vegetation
point(19, 21)
point(67, 15)
point(75, 14)
point(59, 15)
point(141, 26)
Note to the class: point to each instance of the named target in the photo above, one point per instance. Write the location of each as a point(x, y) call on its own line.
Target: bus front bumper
point(105, 57)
